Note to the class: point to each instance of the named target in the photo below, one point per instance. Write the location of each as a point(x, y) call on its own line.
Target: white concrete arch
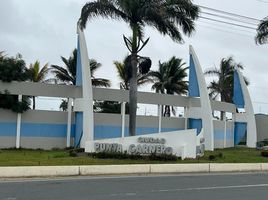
point(248, 116)
point(204, 112)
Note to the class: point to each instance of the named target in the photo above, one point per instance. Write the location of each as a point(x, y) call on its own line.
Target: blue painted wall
point(193, 83)
point(195, 124)
point(8, 129)
point(35, 130)
point(219, 134)
point(238, 97)
point(102, 132)
point(59, 130)
point(240, 132)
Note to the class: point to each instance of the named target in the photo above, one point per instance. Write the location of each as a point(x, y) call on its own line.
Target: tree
point(64, 105)
point(108, 107)
point(170, 79)
point(13, 69)
point(122, 72)
point(223, 86)
point(37, 74)
point(67, 74)
point(166, 16)
point(1, 55)
point(262, 32)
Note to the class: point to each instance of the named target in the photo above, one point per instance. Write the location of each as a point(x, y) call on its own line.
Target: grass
point(24, 157)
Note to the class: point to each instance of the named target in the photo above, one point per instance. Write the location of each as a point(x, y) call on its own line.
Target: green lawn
point(24, 157)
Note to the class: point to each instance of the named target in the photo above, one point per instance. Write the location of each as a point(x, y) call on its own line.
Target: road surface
point(253, 186)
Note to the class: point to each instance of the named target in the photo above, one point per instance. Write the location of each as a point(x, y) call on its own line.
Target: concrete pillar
point(18, 126)
point(186, 118)
point(159, 112)
point(69, 122)
point(225, 129)
point(123, 116)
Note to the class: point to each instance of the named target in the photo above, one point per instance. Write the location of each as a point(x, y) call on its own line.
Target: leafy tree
point(223, 86)
point(37, 74)
point(13, 69)
point(108, 107)
point(122, 72)
point(166, 16)
point(262, 32)
point(122, 69)
point(67, 74)
point(64, 105)
point(170, 79)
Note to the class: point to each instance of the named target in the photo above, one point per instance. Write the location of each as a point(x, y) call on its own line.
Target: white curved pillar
point(87, 96)
point(248, 116)
point(204, 112)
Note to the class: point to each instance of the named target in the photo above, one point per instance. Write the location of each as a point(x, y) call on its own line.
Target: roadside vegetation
point(24, 157)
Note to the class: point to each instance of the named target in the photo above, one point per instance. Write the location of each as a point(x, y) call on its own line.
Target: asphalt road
point(164, 187)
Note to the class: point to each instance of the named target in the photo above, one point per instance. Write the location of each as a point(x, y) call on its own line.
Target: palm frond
point(94, 65)
point(262, 32)
point(100, 82)
point(62, 74)
point(103, 8)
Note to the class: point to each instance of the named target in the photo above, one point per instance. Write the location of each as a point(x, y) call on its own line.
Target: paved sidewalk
point(44, 171)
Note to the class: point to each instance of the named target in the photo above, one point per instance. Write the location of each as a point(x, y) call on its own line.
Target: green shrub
point(264, 153)
point(212, 157)
point(220, 155)
point(73, 153)
point(125, 155)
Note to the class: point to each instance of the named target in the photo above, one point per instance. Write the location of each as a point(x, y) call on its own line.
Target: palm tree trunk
point(33, 103)
point(222, 100)
point(133, 84)
point(167, 111)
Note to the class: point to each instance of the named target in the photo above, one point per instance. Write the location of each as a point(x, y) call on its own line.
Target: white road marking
point(212, 188)
point(130, 194)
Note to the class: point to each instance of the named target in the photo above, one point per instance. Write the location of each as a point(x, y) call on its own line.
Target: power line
point(221, 30)
point(229, 18)
point(215, 25)
point(229, 23)
point(229, 13)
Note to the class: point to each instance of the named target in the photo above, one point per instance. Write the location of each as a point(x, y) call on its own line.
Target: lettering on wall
point(144, 146)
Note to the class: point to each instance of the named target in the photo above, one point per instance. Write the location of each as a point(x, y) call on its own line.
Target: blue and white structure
point(245, 123)
point(84, 121)
point(81, 127)
point(200, 118)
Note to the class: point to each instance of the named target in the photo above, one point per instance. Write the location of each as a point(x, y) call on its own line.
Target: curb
point(53, 171)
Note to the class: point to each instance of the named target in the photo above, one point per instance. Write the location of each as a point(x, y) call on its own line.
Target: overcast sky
point(45, 30)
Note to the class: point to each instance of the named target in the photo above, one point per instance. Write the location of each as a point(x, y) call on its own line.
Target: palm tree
point(67, 74)
point(37, 74)
point(166, 16)
point(122, 72)
point(262, 32)
point(170, 79)
point(223, 86)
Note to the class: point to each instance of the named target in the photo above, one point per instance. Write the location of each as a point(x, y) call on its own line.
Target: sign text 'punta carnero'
point(144, 146)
